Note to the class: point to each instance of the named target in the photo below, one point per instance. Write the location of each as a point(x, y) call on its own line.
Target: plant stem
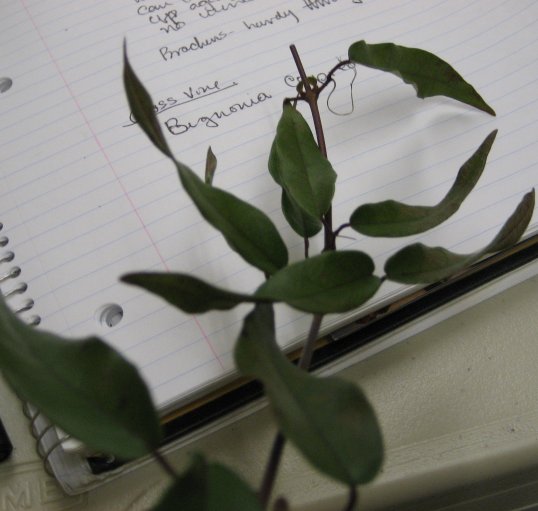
point(353, 499)
point(341, 228)
point(271, 468)
point(308, 348)
point(311, 97)
point(163, 462)
point(330, 74)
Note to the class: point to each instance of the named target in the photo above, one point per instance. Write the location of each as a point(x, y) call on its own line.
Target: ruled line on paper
point(228, 54)
point(458, 157)
point(88, 125)
point(235, 147)
point(461, 43)
point(100, 146)
point(87, 77)
point(374, 169)
point(354, 156)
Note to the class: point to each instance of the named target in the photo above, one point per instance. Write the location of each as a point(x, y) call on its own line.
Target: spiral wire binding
point(13, 290)
point(7, 275)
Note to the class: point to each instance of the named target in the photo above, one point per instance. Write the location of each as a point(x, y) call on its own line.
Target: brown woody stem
point(353, 500)
point(330, 74)
point(271, 469)
point(310, 95)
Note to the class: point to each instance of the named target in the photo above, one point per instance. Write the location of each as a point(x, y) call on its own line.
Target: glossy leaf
point(329, 282)
point(142, 107)
point(427, 73)
point(390, 218)
point(418, 263)
point(188, 293)
point(328, 419)
point(208, 487)
point(297, 165)
point(247, 230)
point(300, 221)
point(83, 386)
point(210, 166)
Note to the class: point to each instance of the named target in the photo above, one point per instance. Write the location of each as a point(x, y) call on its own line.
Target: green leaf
point(418, 263)
point(328, 419)
point(300, 221)
point(210, 166)
point(83, 386)
point(142, 106)
point(208, 487)
point(329, 282)
point(391, 218)
point(188, 293)
point(297, 165)
point(247, 230)
point(427, 73)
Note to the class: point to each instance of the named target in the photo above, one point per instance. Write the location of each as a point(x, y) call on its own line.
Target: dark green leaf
point(300, 221)
point(246, 229)
point(142, 106)
point(391, 218)
point(297, 165)
point(418, 263)
point(328, 419)
point(329, 282)
point(514, 227)
point(188, 293)
point(208, 487)
point(429, 75)
point(83, 386)
point(210, 166)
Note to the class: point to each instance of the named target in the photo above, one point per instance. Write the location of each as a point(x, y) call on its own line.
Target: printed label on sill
point(27, 487)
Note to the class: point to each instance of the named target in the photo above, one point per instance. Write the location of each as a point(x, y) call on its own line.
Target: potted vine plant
point(329, 420)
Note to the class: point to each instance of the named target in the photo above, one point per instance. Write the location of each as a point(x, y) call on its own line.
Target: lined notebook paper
point(85, 198)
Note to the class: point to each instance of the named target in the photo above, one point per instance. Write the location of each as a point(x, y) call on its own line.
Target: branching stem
point(330, 74)
point(310, 95)
point(341, 228)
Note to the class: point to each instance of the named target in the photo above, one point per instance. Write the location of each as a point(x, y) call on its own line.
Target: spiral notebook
point(85, 198)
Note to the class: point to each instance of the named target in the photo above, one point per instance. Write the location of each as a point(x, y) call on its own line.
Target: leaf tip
point(126, 65)
point(210, 166)
point(127, 278)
